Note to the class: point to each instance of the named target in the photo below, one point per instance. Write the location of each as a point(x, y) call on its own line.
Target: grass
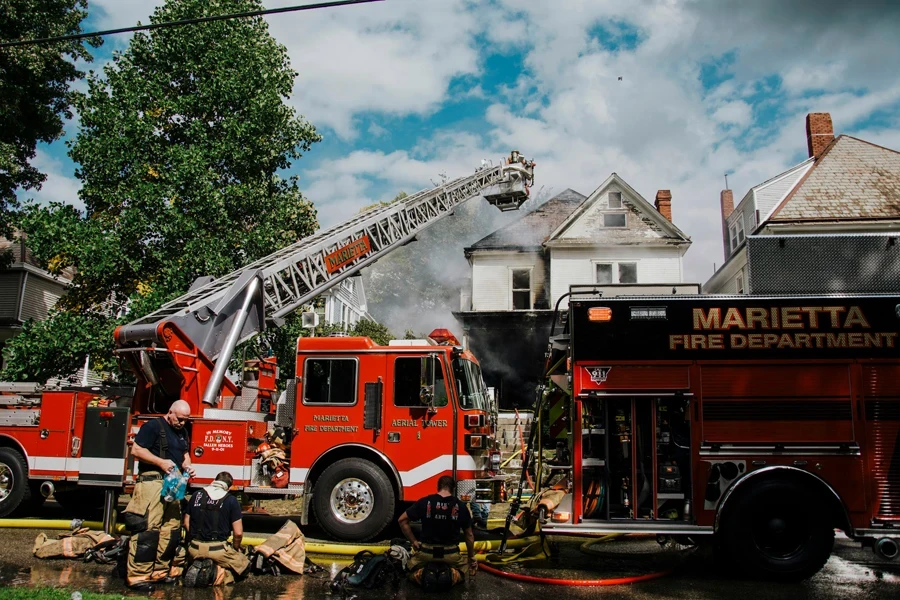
point(48, 593)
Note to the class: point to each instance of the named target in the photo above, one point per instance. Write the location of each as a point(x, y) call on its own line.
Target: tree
point(180, 147)
point(34, 88)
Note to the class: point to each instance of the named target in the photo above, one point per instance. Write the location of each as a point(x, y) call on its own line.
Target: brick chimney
point(819, 132)
point(726, 200)
point(664, 203)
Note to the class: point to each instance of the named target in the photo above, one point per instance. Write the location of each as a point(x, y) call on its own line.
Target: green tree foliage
point(34, 88)
point(180, 147)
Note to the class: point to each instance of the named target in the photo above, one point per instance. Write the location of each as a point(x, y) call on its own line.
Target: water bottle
point(170, 485)
point(181, 487)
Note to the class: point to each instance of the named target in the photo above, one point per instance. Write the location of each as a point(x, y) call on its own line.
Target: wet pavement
point(851, 573)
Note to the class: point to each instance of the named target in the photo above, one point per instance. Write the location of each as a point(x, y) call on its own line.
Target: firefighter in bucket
point(436, 563)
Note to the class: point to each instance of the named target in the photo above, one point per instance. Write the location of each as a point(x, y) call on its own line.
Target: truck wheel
point(14, 488)
point(353, 500)
point(778, 529)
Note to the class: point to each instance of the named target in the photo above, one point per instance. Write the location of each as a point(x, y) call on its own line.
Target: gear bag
point(368, 571)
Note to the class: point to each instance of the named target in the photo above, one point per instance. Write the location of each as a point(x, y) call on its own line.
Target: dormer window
point(614, 220)
point(615, 199)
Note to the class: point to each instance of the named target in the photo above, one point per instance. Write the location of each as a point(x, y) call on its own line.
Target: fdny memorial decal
point(218, 440)
point(347, 254)
point(778, 328)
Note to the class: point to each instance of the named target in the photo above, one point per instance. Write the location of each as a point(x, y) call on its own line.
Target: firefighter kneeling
point(437, 563)
point(212, 516)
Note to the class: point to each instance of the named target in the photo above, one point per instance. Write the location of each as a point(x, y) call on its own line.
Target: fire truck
point(760, 424)
point(357, 430)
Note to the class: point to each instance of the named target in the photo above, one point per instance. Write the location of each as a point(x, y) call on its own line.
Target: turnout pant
point(155, 553)
point(231, 565)
point(455, 559)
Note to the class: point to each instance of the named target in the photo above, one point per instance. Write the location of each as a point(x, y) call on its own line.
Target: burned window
point(329, 381)
point(614, 220)
point(412, 375)
point(604, 273)
point(627, 272)
point(521, 289)
point(615, 199)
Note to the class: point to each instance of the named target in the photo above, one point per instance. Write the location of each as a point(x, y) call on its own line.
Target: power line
point(255, 13)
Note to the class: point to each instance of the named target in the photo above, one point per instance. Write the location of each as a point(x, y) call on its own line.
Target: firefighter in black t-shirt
point(212, 516)
point(443, 516)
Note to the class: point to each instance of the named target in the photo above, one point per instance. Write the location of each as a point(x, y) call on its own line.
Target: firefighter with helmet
point(436, 562)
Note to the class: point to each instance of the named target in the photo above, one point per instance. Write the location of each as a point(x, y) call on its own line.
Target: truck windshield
point(470, 385)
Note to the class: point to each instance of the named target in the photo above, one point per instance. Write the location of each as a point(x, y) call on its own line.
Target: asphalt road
point(851, 573)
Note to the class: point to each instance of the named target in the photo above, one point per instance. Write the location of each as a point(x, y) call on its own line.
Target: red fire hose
point(574, 582)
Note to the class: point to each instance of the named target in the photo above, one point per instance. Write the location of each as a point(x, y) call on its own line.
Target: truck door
point(418, 422)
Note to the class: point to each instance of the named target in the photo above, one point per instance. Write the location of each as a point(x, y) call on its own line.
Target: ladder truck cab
point(762, 423)
point(350, 403)
point(379, 424)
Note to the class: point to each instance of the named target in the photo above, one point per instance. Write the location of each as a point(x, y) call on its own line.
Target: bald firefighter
point(154, 552)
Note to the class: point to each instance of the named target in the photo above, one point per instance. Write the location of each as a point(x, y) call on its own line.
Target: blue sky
point(405, 90)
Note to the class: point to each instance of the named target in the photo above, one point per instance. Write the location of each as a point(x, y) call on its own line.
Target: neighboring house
point(614, 237)
point(345, 303)
point(827, 224)
point(26, 291)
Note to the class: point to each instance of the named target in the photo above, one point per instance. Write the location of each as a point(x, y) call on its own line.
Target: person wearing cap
point(213, 515)
point(154, 550)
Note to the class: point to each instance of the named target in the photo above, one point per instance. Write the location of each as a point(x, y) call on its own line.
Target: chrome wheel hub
point(351, 500)
point(6, 481)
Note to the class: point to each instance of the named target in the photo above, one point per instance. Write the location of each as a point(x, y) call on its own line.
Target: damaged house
point(613, 237)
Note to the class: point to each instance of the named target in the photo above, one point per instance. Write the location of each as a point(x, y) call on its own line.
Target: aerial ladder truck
point(357, 430)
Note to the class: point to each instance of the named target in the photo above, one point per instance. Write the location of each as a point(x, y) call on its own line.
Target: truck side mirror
point(426, 383)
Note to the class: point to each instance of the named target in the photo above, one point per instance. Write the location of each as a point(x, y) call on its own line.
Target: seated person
point(443, 516)
point(211, 517)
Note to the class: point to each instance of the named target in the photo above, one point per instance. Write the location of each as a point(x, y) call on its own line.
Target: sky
point(669, 95)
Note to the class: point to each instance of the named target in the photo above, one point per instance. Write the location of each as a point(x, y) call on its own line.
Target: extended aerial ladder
point(197, 333)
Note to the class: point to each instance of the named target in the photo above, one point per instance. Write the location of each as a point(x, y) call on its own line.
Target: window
point(614, 220)
point(521, 289)
point(604, 273)
point(754, 215)
point(615, 199)
point(470, 385)
point(739, 283)
point(412, 376)
point(737, 232)
point(329, 381)
point(625, 272)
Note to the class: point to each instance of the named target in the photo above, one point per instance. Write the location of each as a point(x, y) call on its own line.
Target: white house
point(613, 237)
point(345, 303)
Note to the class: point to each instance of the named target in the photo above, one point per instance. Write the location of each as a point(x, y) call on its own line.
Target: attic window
point(614, 220)
point(615, 199)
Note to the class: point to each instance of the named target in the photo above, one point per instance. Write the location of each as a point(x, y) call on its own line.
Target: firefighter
point(211, 517)
point(154, 553)
point(436, 562)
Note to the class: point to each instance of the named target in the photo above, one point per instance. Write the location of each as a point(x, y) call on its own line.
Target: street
point(851, 573)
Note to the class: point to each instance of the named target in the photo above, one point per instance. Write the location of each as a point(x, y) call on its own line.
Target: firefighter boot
point(200, 573)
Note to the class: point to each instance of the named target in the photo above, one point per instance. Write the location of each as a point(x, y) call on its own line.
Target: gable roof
point(631, 199)
point(533, 229)
point(852, 179)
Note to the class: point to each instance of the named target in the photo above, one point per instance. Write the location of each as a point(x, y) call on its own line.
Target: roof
point(646, 223)
point(533, 229)
point(852, 179)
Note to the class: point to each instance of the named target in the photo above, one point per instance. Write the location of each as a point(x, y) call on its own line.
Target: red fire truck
point(359, 428)
point(760, 423)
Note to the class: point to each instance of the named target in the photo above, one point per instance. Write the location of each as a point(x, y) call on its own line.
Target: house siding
point(39, 297)
point(10, 289)
point(491, 279)
point(575, 266)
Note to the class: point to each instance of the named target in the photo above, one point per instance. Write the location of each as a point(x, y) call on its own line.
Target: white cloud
point(60, 186)
point(734, 113)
